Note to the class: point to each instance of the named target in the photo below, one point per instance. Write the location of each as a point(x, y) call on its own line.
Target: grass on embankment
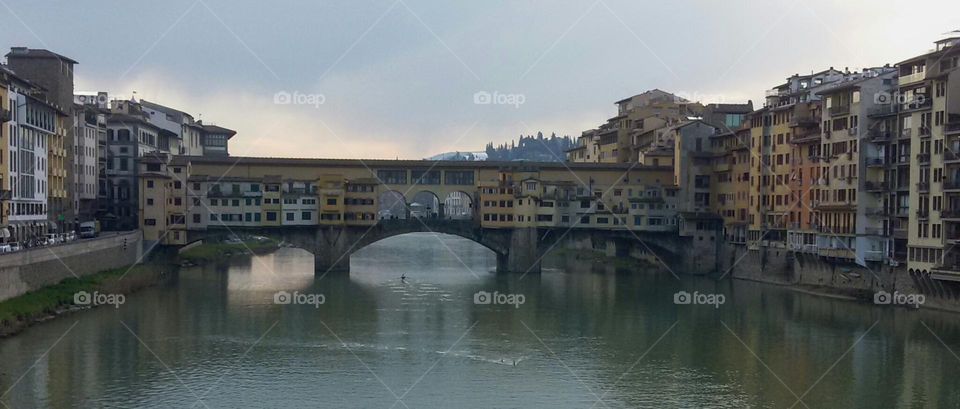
point(207, 252)
point(19, 312)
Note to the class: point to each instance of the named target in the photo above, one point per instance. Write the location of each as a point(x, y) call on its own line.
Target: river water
point(587, 335)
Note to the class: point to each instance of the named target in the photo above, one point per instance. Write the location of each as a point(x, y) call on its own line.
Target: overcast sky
point(398, 78)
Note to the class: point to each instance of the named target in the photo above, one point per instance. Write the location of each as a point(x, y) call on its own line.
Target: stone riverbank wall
point(32, 269)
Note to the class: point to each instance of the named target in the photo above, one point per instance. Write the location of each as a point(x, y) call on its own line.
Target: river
point(587, 334)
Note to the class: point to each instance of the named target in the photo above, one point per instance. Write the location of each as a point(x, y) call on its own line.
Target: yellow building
point(928, 104)
point(731, 187)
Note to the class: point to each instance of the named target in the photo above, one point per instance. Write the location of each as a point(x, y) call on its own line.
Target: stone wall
point(32, 269)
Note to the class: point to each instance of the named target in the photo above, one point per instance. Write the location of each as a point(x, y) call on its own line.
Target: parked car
point(88, 230)
point(5, 248)
point(15, 247)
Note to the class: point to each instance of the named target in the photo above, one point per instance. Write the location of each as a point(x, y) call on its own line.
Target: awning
point(4, 233)
point(52, 226)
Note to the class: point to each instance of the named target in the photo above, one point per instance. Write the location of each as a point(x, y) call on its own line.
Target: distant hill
point(532, 148)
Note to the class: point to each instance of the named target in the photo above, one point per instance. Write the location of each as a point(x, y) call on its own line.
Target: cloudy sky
point(398, 78)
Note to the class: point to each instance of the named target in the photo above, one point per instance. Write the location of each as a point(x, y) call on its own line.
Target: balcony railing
point(873, 231)
point(877, 186)
point(917, 103)
point(951, 127)
point(5, 116)
point(923, 157)
point(883, 110)
point(906, 133)
point(950, 155)
point(923, 214)
point(923, 186)
point(840, 110)
point(880, 136)
point(804, 121)
point(950, 213)
point(877, 212)
point(876, 162)
point(951, 184)
point(924, 131)
point(911, 78)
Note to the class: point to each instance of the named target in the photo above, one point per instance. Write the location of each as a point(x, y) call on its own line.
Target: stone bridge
point(518, 250)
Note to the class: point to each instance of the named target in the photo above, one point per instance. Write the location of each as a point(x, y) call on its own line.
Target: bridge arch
point(426, 204)
point(458, 205)
point(392, 204)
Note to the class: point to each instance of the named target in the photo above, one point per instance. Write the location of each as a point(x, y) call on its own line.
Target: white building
point(187, 133)
point(33, 121)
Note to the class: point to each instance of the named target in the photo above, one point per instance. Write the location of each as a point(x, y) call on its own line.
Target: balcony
point(877, 212)
point(877, 187)
point(951, 185)
point(877, 136)
point(951, 128)
point(919, 103)
point(804, 121)
point(950, 214)
point(924, 132)
point(923, 158)
point(923, 187)
point(906, 133)
point(873, 231)
point(912, 78)
point(884, 110)
point(840, 110)
point(923, 214)
point(876, 162)
point(951, 156)
point(5, 116)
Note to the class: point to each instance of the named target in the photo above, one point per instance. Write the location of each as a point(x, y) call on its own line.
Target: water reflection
point(587, 332)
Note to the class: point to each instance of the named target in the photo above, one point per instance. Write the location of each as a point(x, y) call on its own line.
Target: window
point(394, 177)
point(271, 216)
point(149, 184)
point(458, 177)
point(150, 222)
point(290, 217)
point(331, 202)
point(306, 216)
point(426, 177)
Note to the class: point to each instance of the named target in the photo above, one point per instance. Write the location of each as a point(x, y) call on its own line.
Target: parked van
point(88, 230)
